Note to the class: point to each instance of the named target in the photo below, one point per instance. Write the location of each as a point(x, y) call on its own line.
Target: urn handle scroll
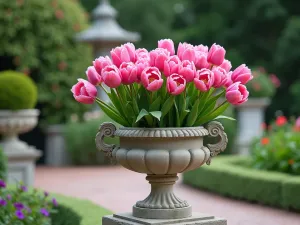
point(216, 129)
point(106, 130)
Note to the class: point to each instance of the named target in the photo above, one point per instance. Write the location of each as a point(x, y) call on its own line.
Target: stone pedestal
point(56, 152)
point(195, 219)
point(250, 119)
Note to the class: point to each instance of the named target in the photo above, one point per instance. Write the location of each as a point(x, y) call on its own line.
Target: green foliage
point(37, 37)
point(3, 165)
point(86, 210)
point(278, 150)
point(80, 140)
point(261, 85)
point(231, 176)
point(17, 91)
point(20, 207)
point(65, 216)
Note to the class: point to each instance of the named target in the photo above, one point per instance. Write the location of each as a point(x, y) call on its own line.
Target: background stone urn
point(162, 153)
point(21, 156)
point(250, 117)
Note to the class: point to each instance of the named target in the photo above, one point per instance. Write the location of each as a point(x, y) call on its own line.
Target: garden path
point(118, 189)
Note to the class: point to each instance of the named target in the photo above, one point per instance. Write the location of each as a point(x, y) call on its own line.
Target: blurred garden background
point(39, 38)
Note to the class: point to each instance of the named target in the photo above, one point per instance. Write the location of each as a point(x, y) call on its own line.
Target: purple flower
point(2, 184)
point(8, 197)
point(19, 205)
point(20, 215)
point(3, 202)
point(54, 202)
point(46, 194)
point(23, 188)
point(44, 212)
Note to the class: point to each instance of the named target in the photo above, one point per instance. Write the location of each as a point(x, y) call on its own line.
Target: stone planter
point(250, 117)
point(21, 157)
point(56, 152)
point(162, 153)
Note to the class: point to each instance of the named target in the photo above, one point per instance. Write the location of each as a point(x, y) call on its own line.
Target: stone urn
point(21, 156)
point(162, 153)
point(250, 116)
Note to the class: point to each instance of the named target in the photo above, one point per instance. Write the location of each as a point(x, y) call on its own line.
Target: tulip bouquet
point(163, 89)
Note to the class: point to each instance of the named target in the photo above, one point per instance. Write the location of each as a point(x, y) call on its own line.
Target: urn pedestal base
point(195, 219)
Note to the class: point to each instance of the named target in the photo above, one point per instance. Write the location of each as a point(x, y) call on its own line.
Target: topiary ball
point(17, 91)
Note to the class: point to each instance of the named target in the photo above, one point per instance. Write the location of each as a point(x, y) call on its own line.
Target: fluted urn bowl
point(13, 123)
point(162, 153)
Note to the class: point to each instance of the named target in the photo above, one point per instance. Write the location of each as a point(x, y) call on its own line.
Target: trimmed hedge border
point(230, 176)
point(87, 213)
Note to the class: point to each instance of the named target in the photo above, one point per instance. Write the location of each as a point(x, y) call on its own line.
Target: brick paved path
point(118, 189)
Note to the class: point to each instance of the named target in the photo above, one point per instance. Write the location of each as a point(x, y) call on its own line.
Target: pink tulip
point(141, 64)
point(167, 44)
point(204, 79)
point(111, 76)
point(237, 93)
point(175, 84)
point(297, 124)
point(124, 53)
point(84, 92)
point(201, 48)
point(158, 58)
point(102, 62)
point(220, 76)
point(226, 65)
point(93, 76)
point(227, 81)
point(201, 60)
point(275, 80)
point(171, 65)
point(151, 78)
point(142, 53)
point(186, 52)
point(216, 55)
point(128, 71)
point(241, 74)
point(188, 70)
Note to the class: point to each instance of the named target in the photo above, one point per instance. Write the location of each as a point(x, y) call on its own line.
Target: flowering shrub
point(17, 206)
point(279, 148)
point(163, 89)
point(263, 84)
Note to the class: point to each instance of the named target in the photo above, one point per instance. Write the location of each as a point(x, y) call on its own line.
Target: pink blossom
point(275, 80)
point(201, 60)
point(241, 74)
point(111, 76)
point(124, 53)
point(151, 78)
point(171, 65)
point(237, 93)
point(201, 48)
point(175, 84)
point(204, 79)
point(142, 53)
point(102, 62)
point(84, 92)
point(227, 81)
point(141, 64)
point(220, 76)
point(186, 52)
point(128, 71)
point(167, 44)
point(158, 58)
point(216, 55)
point(226, 65)
point(93, 76)
point(188, 70)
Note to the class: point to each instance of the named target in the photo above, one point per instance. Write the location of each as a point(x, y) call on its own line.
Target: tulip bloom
point(124, 53)
point(204, 79)
point(142, 53)
point(237, 93)
point(216, 55)
point(226, 65)
point(227, 80)
point(201, 48)
point(186, 52)
point(167, 44)
point(102, 62)
point(275, 80)
point(281, 120)
point(128, 71)
point(111, 76)
point(158, 58)
point(171, 65)
point(188, 70)
point(84, 92)
point(176, 84)
point(151, 79)
point(141, 64)
point(93, 76)
point(241, 74)
point(201, 60)
point(220, 76)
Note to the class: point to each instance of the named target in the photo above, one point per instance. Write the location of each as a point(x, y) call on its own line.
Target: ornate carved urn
point(162, 153)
